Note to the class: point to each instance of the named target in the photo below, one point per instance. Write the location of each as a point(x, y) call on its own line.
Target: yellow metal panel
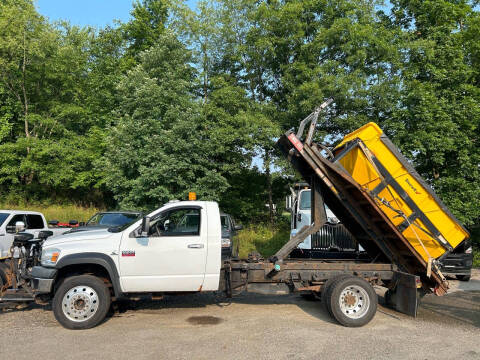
point(361, 169)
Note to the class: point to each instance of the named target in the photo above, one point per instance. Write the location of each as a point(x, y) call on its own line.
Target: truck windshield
point(225, 222)
point(115, 219)
point(305, 200)
point(3, 217)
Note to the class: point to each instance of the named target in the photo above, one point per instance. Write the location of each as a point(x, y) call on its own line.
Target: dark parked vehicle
point(459, 262)
point(108, 219)
point(229, 230)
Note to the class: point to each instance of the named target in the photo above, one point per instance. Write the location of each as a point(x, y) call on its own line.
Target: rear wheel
point(352, 301)
point(327, 289)
point(81, 302)
point(463, 277)
point(3, 274)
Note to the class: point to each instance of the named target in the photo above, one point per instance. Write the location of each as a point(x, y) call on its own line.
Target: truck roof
point(15, 212)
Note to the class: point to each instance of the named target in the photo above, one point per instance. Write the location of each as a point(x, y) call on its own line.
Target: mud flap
point(405, 293)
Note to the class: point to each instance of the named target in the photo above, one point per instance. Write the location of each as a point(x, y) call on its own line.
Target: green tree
point(49, 134)
point(146, 26)
point(159, 148)
point(439, 103)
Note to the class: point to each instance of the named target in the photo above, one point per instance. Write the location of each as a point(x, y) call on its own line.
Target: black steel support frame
point(303, 273)
point(319, 218)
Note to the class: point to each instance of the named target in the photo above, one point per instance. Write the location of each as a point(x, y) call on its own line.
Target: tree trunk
point(24, 90)
point(267, 162)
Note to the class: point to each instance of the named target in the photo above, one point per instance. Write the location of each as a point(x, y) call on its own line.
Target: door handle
point(195, 246)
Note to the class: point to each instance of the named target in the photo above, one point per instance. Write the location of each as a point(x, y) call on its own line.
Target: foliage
point(62, 213)
point(49, 134)
point(261, 238)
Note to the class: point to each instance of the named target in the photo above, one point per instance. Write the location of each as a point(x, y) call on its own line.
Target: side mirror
point(44, 234)
point(145, 226)
point(288, 202)
point(166, 224)
point(238, 227)
point(19, 226)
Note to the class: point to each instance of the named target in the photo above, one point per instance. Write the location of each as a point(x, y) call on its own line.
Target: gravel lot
point(204, 326)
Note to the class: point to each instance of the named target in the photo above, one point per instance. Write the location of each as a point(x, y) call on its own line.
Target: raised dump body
point(405, 224)
point(372, 160)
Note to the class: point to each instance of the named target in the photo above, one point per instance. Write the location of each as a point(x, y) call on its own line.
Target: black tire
point(388, 296)
point(327, 288)
point(463, 277)
point(102, 296)
point(310, 295)
point(361, 292)
point(3, 273)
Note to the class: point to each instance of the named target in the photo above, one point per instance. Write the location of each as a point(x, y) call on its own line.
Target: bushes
point(62, 213)
point(262, 238)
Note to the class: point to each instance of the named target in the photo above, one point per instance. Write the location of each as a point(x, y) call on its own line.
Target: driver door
point(173, 255)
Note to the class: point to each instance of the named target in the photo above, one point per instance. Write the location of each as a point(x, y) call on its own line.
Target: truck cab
point(176, 248)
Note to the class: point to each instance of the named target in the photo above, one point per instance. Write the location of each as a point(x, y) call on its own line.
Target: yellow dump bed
point(376, 164)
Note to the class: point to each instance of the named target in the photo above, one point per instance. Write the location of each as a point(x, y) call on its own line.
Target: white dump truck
point(177, 248)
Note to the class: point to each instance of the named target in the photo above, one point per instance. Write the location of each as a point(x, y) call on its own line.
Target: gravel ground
point(204, 326)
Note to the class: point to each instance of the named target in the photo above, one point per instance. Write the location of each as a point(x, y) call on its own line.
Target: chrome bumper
point(42, 285)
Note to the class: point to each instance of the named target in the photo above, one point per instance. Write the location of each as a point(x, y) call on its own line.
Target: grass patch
point(261, 238)
point(62, 213)
point(476, 257)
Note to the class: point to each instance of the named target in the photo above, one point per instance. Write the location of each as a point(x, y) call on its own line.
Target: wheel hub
point(350, 300)
point(354, 301)
point(80, 303)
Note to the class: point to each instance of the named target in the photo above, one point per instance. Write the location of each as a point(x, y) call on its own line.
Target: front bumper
point(457, 264)
point(226, 252)
point(43, 279)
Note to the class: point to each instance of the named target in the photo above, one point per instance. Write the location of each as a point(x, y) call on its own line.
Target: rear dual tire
point(463, 277)
point(351, 300)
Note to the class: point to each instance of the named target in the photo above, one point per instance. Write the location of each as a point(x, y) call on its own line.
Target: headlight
point(50, 257)
point(469, 250)
point(225, 242)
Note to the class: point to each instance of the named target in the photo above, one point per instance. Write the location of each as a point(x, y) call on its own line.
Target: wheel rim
point(80, 303)
point(354, 301)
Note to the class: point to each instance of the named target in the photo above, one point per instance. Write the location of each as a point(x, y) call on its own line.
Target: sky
point(97, 13)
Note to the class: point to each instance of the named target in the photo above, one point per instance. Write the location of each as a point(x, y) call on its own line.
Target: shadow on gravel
point(460, 306)
point(147, 306)
point(21, 307)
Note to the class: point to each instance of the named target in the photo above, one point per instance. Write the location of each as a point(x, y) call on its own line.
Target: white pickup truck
point(176, 248)
point(13, 221)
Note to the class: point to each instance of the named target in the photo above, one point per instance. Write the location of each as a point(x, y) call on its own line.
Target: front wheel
point(463, 277)
point(352, 301)
point(81, 302)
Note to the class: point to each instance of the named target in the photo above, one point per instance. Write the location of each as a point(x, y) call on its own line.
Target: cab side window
point(34, 222)
point(176, 222)
point(10, 227)
point(15, 219)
